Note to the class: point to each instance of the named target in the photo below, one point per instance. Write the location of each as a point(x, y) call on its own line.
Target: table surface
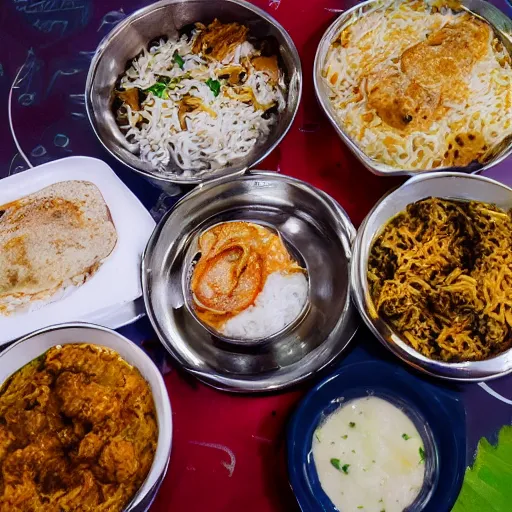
point(228, 451)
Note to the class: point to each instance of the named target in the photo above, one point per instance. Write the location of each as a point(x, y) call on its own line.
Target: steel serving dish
point(167, 17)
point(445, 185)
point(32, 346)
point(311, 223)
point(480, 8)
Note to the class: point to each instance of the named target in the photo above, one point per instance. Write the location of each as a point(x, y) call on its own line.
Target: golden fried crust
point(78, 432)
point(219, 40)
point(410, 98)
point(401, 102)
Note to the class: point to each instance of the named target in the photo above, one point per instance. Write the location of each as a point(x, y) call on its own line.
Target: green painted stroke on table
point(488, 484)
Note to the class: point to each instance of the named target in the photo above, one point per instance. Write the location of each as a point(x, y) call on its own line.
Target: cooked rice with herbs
point(200, 101)
point(441, 275)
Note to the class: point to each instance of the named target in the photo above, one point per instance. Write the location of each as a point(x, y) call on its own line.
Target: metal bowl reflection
point(313, 224)
point(445, 185)
point(167, 17)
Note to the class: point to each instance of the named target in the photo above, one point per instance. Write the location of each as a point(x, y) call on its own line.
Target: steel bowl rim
point(383, 332)
point(167, 410)
point(372, 165)
point(235, 384)
point(104, 43)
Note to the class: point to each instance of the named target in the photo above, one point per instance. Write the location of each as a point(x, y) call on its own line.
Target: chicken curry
point(78, 432)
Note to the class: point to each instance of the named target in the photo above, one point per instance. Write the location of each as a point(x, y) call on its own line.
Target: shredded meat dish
point(441, 275)
point(78, 432)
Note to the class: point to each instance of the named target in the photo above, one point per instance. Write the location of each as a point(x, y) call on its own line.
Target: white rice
point(277, 305)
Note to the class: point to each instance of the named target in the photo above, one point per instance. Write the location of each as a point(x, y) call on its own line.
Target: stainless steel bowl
point(167, 17)
point(32, 346)
point(310, 222)
point(445, 185)
point(481, 8)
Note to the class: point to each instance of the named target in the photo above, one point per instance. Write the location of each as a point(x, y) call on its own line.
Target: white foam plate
point(109, 297)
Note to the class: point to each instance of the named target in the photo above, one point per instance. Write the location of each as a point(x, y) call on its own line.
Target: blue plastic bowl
point(438, 415)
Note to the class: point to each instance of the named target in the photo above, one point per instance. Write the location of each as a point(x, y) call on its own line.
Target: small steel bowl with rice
point(170, 18)
point(316, 235)
point(447, 186)
point(381, 132)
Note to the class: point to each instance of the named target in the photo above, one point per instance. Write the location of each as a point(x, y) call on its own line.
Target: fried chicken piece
point(84, 496)
point(191, 104)
point(447, 56)
point(268, 65)
point(85, 400)
point(119, 460)
point(219, 40)
point(430, 71)
point(401, 102)
point(130, 97)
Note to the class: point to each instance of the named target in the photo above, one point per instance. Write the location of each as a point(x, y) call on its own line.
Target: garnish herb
point(360, 506)
point(214, 86)
point(344, 437)
point(158, 90)
point(351, 424)
point(406, 437)
point(344, 468)
point(353, 451)
point(317, 435)
point(179, 60)
point(422, 454)
point(336, 463)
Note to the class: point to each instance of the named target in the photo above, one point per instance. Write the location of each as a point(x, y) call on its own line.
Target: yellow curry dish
point(440, 274)
point(78, 432)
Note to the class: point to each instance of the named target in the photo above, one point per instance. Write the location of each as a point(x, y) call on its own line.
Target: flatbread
point(53, 238)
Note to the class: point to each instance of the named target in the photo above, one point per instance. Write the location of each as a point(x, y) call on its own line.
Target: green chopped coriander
point(351, 424)
point(336, 463)
point(158, 89)
point(360, 506)
point(179, 60)
point(406, 437)
point(344, 468)
point(214, 86)
point(353, 451)
point(421, 451)
point(317, 435)
point(344, 437)
point(381, 501)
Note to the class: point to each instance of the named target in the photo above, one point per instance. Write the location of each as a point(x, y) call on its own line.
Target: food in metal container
point(78, 431)
point(51, 242)
point(369, 455)
point(418, 85)
point(245, 284)
point(202, 100)
point(441, 274)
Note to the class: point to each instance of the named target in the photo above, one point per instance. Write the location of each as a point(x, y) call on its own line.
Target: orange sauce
point(236, 259)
